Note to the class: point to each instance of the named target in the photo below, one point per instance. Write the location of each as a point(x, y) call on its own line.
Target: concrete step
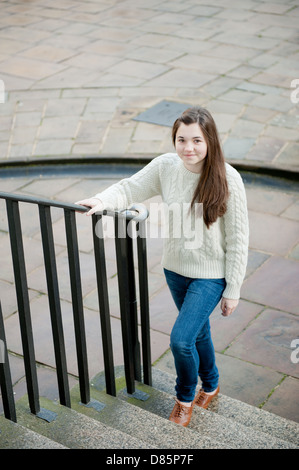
point(207, 424)
point(140, 423)
point(75, 430)
point(243, 414)
point(206, 429)
point(15, 436)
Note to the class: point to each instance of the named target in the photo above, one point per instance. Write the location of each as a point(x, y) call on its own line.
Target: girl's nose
point(189, 146)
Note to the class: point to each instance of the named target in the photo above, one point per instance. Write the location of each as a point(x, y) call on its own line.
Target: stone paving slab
point(283, 293)
point(277, 400)
point(268, 226)
point(224, 332)
point(275, 330)
point(72, 69)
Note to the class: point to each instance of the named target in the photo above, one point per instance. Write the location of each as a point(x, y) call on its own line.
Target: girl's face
point(191, 146)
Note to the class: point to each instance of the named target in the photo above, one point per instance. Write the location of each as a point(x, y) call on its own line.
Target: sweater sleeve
point(236, 237)
point(141, 186)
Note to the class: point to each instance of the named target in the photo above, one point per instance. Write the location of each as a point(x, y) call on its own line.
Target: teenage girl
point(199, 275)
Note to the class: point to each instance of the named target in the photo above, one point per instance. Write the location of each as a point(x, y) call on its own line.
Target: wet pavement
point(76, 74)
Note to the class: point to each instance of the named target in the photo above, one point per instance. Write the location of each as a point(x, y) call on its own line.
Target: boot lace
point(180, 410)
point(201, 398)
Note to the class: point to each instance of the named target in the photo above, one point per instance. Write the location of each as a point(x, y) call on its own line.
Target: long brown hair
point(212, 188)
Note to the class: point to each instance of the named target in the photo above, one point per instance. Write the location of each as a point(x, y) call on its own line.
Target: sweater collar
point(187, 173)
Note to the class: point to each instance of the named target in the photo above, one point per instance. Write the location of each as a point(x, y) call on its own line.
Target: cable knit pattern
point(224, 248)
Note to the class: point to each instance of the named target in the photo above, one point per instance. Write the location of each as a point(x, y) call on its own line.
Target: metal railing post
point(100, 263)
point(133, 321)
point(123, 288)
point(17, 250)
point(144, 302)
point(127, 293)
point(54, 304)
point(77, 303)
point(5, 378)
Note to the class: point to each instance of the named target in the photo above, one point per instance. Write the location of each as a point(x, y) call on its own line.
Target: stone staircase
point(141, 422)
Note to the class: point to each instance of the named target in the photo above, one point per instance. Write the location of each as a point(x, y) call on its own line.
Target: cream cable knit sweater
point(224, 248)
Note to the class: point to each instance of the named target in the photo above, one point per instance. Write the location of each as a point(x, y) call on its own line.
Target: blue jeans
point(190, 339)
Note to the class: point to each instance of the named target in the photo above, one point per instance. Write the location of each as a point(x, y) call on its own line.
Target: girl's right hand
point(95, 204)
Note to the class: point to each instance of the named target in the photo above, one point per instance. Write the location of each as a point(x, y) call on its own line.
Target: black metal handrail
point(127, 295)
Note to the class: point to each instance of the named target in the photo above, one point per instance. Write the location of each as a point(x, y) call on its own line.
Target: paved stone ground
point(76, 73)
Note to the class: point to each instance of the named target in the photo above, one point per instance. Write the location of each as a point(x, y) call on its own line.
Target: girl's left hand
point(228, 306)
